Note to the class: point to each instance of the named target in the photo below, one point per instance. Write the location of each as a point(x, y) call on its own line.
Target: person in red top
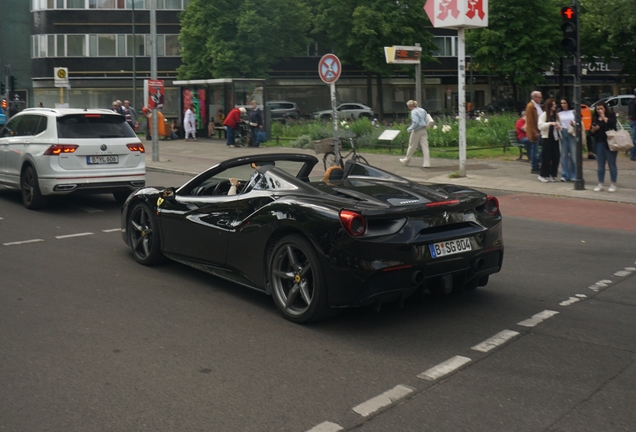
point(231, 123)
point(520, 127)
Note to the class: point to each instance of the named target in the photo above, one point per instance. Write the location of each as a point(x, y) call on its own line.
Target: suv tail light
point(492, 206)
point(136, 147)
point(354, 223)
point(57, 149)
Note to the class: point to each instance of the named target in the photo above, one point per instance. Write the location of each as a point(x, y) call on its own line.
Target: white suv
point(48, 152)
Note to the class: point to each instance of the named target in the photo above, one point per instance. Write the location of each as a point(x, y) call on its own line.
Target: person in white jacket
point(189, 124)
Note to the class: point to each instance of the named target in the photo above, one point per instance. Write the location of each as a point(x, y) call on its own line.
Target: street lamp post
point(153, 75)
point(134, 58)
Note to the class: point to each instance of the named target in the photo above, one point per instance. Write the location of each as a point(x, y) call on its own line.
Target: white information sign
point(389, 135)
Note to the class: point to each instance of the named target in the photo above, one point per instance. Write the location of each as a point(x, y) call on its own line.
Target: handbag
point(572, 129)
point(253, 124)
point(429, 120)
point(261, 137)
point(619, 140)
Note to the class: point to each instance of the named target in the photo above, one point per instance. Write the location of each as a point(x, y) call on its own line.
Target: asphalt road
point(90, 340)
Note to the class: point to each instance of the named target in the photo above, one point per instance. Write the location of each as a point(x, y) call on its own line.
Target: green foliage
point(303, 141)
point(608, 31)
point(521, 40)
point(240, 38)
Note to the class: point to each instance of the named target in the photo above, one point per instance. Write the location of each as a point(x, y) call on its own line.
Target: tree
point(240, 38)
point(514, 49)
point(608, 31)
point(360, 29)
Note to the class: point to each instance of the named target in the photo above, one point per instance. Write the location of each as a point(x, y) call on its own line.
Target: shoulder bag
point(619, 140)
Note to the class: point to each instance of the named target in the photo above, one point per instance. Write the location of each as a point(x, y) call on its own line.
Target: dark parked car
point(356, 236)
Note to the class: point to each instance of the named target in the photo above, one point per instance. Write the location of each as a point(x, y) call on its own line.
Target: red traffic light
point(568, 13)
point(4, 104)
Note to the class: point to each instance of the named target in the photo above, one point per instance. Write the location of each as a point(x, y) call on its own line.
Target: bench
point(514, 142)
point(221, 130)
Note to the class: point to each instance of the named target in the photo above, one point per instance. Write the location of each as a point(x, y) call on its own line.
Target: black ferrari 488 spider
point(357, 236)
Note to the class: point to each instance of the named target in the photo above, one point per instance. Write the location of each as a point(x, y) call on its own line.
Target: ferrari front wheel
point(297, 281)
point(143, 235)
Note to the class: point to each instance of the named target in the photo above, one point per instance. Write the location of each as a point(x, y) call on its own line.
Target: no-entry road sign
point(329, 68)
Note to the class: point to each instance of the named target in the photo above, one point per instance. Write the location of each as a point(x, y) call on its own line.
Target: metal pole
point(153, 75)
point(7, 74)
point(418, 81)
point(334, 114)
point(579, 182)
point(134, 60)
point(461, 95)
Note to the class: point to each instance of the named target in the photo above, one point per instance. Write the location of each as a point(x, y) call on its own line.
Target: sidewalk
point(192, 157)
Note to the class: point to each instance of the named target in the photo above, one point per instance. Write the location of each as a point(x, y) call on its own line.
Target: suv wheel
point(30, 187)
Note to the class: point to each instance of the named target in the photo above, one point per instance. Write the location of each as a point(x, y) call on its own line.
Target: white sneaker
point(598, 188)
point(612, 188)
point(543, 179)
point(552, 179)
point(404, 161)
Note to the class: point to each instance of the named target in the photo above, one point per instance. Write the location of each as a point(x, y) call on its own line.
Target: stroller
point(242, 135)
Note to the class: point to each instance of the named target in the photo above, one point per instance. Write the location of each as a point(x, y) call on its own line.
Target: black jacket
point(631, 110)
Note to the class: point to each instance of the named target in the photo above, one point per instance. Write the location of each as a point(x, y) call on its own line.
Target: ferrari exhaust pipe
point(417, 277)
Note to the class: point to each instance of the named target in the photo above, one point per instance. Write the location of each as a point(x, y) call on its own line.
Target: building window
point(446, 46)
point(76, 45)
point(138, 45)
point(107, 45)
point(61, 45)
point(121, 45)
point(101, 4)
point(75, 4)
point(172, 45)
point(50, 39)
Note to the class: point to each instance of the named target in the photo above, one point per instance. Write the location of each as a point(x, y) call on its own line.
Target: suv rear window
point(93, 126)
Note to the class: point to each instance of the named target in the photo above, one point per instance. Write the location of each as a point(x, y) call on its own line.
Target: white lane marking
point(538, 318)
point(326, 427)
point(626, 268)
point(23, 242)
point(112, 230)
point(0, 218)
point(380, 401)
point(570, 301)
point(74, 235)
point(605, 281)
point(581, 295)
point(493, 342)
point(444, 368)
point(622, 273)
point(85, 208)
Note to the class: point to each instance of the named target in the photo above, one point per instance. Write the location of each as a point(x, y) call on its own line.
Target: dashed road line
point(622, 273)
point(537, 318)
point(380, 401)
point(111, 230)
point(444, 368)
point(570, 301)
point(493, 342)
point(23, 242)
point(73, 235)
point(326, 427)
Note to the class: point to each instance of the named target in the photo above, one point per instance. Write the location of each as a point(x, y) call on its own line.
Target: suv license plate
point(93, 160)
point(450, 247)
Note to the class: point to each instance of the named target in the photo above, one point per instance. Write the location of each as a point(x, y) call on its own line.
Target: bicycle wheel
point(329, 160)
point(360, 159)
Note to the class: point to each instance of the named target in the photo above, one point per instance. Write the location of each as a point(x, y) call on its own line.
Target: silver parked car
point(619, 104)
point(46, 152)
point(282, 110)
point(346, 110)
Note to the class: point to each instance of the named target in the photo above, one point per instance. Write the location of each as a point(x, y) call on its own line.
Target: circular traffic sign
point(329, 68)
point(61, 73)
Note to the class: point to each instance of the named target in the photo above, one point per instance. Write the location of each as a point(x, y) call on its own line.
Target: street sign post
point(60, 79)
point(459, 14)
point(329, 69)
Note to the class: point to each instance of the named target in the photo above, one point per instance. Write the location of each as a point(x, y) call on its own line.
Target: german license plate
point(94, 160)
point(450, 247)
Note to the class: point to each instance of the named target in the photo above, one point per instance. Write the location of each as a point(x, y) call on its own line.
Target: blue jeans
point(633, 125)
point(568, 153)
point(230, 135)
point(533, 154)
point(604, 154)
point(527, 143)
point(254, 134)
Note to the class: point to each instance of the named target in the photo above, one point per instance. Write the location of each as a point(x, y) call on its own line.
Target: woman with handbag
point(550, 129)
point(568, 141)
point(602, 121)
point(256, 123)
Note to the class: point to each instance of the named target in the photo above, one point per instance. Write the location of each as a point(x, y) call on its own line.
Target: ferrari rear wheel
point(298, 284)
point(143, 235)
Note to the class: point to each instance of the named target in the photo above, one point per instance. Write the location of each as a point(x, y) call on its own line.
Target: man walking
point(131, 115)
point(631, 116)
point(419, 135)
point(533, 112)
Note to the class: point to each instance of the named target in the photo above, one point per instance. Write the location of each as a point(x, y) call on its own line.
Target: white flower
point(457, 118)
point(446, 128)
point(485, 120)
point(478, 118)
point(346, 126)
point(435, 127)
point(342, 123)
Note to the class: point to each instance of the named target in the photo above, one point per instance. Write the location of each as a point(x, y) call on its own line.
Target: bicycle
point(329, 159)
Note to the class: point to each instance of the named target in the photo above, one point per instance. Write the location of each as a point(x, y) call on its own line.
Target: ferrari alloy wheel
point(298, 285)
point(30, 188)
point(143, 235)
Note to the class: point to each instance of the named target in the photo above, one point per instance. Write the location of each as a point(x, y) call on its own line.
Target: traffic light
point(3, 88)
point(4, 104)
point(12, 83)
point(569, 15)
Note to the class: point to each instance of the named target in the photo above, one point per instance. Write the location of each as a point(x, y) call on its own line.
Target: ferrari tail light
point(354, 223)
point(136, 147)
point(57, 149)
point(442, 203)
point(492, 206)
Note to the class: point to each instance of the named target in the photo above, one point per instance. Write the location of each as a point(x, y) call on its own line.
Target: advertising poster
point(196, 99)
point(155, 94)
